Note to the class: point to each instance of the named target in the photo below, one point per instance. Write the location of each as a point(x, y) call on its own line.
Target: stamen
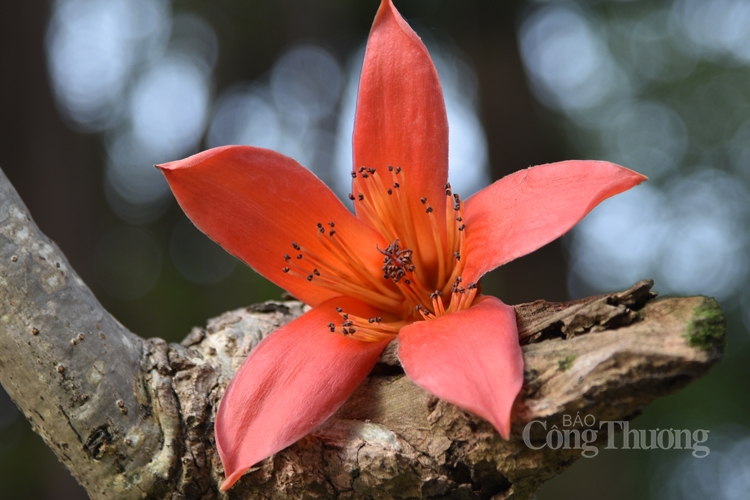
point(383, 203)
point(368, 330)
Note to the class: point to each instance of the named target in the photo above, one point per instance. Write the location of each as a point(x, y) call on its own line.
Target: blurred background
point(94, 93)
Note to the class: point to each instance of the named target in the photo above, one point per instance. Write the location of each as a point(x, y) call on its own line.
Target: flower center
point(421, 271)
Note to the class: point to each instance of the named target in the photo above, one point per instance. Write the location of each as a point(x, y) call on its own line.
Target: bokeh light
point(722, 475)
point(568, 61)
point(94, 47)
point(687, 227)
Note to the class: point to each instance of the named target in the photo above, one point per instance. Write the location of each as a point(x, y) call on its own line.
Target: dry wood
point(133, 418)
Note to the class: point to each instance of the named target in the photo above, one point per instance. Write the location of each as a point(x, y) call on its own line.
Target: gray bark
point(133, 418)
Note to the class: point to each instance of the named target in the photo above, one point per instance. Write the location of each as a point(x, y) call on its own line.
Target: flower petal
point(470, 358)
point(528, 209)
point(255, 203)
point(401, 118)
point(291, 383)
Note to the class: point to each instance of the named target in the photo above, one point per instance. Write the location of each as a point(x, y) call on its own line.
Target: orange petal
point(401, 118)
point(470, 358)
point(289, 385)
point(528, 209)
point(255, 203)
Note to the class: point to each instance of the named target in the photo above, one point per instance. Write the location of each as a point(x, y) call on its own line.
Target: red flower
point(407, 265)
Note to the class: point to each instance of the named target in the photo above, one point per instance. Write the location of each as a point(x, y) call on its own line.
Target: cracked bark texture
point(133, 418)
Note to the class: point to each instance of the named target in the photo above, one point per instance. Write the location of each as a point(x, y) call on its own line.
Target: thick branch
point(133, 418)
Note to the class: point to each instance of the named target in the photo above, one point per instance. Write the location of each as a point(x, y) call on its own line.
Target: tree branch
point(133, 418)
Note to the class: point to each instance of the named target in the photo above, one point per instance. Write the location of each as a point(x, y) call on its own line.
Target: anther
point(295, 245)
point(390, 191)
point(396, 185)
point(331, 224)
point(331, 232)
point(457, 255)
point(316, 272)
point(398, 170)
point(371, 170)
point(299, 256)
point(351, 196)
point(332, 327)
point(390, 168)
point(423, 200)
point(309, 277)
point(339, 310)
point(361, 197)
point(408, 282)
point(354, 175)
point(286, 269)
point(286, 256)
point(429, 209)
point(462, 227)
point(435, 294)
point(459, 219)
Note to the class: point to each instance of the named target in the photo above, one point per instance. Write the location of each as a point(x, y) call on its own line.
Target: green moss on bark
point(708, 329)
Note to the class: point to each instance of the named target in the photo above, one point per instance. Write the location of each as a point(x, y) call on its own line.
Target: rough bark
point(133, 418)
